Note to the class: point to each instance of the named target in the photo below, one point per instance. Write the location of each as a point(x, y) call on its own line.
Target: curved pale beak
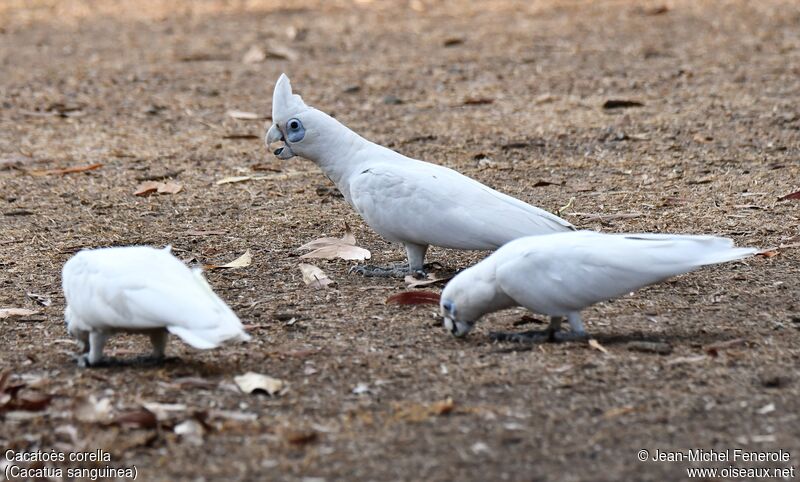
point(457, 328)
point(274, 135)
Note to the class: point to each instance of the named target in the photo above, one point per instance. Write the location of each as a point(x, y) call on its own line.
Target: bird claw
point(398, 270)
point(537, 336)
point(83, 361)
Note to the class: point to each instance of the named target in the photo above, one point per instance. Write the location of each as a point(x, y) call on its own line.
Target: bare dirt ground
point(509, 93)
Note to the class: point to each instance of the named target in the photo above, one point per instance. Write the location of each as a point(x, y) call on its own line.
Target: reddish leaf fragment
point(794, 195)
point(478, 101)
point(137, 418)
point(417, 297)
point(714, 348)
point(301, 437)
point(66, 170)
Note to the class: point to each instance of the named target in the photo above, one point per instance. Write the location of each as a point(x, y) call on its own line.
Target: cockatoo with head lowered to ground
point(406, 201)
point(139, 289)
point(560, 274)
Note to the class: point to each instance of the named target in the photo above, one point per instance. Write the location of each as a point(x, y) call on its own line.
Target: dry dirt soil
point(510, 93)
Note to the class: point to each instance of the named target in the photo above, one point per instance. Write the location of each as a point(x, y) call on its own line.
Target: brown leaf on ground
point(616, 412)
point(714, 348)
point(794, 195)
point(254, 55)
point(136, 418)
point(149, 187)
point(314, 277)
point(16, 397)
point(478, 101)
point(770, 252)
point(300, 437)
point(242, 261)
point(9, 312)
point(92, 409)
point(331, 248)
point(283, 53)
point(417, 412)
point(66, 170)
point(418, 297)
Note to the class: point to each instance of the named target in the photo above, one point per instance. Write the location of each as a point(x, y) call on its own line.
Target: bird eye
point(448, 306)
point(294, 130)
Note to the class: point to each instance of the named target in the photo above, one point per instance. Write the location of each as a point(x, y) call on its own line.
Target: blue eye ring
point(295, 132)
point(448, 306)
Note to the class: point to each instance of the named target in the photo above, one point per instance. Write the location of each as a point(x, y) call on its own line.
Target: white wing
point(141, 288)
point(425, 204)
point(558, 274)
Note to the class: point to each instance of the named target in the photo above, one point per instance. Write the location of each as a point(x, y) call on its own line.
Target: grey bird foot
point(151, 361)
point(83, 361)
point(537, 336)
point(397, 270)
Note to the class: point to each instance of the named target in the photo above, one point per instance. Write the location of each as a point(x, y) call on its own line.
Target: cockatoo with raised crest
point(415, 203)
point(138, 289)
point(560, 274)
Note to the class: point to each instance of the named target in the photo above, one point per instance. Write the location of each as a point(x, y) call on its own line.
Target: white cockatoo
point(406, 201)
point(139, 289)
point(560, 274)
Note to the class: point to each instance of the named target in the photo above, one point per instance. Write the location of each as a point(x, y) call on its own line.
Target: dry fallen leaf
point(93, 410)
point(66, 170)
point(314, 277)
point(283, 53)
point(9, 312)
point(43, 300)
point(714, 348)
point(616, 412)
point(300, 437)
point(232, 179)
point(330, 248)
point(150, 187)
point(244, 115)
point(794, 195)
point(416, 412)
point(254, 55)
point(418, 297)
point(162, 411)
point(252, 382)
point(136, 418)
point(242, 261)
point(430, 278)
point(191, 431)
point(770, 252)
point(597, 346)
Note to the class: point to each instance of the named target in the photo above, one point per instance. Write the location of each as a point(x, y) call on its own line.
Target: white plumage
point(405, 200)
point(142, 290)
point(560, 274)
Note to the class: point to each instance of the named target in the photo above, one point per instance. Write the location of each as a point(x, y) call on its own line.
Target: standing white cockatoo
point(406, 201)
point(560, 274)
point(144, 290)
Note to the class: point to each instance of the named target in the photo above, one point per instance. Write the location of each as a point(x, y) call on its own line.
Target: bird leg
point(94, 356)
point(159, 340)
point(551, 334)
point(415, 265)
